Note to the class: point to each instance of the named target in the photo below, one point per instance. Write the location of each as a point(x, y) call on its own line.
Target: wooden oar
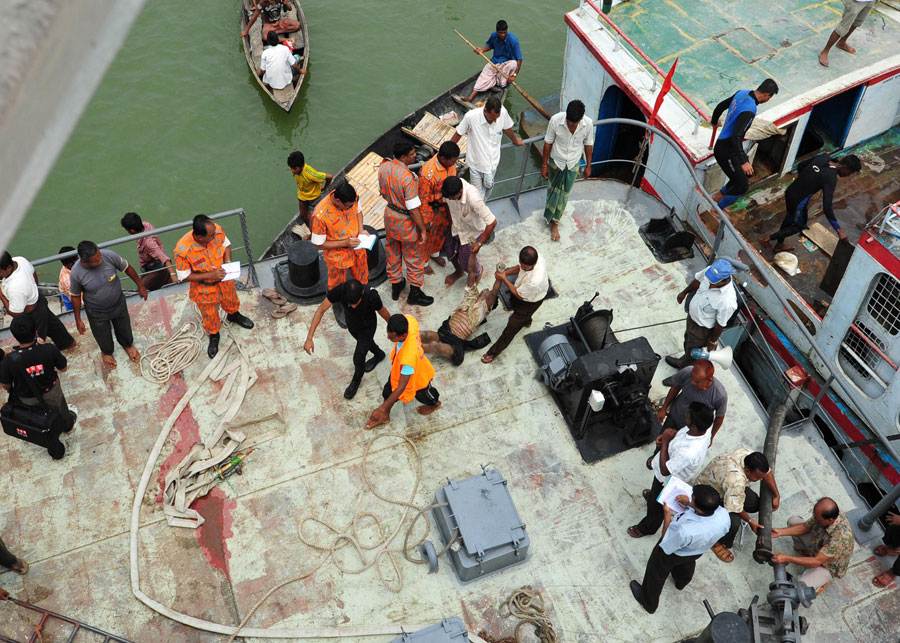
point(526, 95)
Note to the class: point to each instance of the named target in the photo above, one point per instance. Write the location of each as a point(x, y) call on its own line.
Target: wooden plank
point(822, 237)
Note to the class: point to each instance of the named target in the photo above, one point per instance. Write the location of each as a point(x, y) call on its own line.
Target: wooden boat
point(253, 48)
point(423, 127)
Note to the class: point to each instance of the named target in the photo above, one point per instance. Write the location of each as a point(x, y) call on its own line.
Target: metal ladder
point(47, 615)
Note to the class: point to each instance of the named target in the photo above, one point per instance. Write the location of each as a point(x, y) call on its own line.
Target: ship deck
point(858, 198)
point(726, 45)
point(70, 518)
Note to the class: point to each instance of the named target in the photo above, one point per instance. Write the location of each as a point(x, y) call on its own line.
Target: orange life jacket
point(411, 354)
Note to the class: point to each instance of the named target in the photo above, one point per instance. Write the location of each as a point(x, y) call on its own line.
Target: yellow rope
point(527, 605)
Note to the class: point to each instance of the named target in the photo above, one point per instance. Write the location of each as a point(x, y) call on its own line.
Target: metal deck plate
point(484, 512)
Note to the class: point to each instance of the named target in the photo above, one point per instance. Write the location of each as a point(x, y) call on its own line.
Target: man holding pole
point(507, 59)
point(569, 135)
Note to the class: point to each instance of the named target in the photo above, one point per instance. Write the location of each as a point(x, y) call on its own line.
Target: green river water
point(178, 125)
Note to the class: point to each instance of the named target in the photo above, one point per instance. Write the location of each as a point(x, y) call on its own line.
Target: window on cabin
point(884, 303)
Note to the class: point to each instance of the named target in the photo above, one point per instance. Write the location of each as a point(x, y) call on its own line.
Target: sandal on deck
point(284, 310)
point(884, 579)
point(20, 567)
point(723, 553)
point(274, 296)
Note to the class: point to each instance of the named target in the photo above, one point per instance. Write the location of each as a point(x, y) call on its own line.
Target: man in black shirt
point(729, 148)
point(40, 363)
point(818, 173)
point(360, 306)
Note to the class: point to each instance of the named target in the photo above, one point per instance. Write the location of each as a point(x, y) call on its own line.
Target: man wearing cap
point(471, 225)
point(406, 238)
point(713, 304)
point(818, 173)
point(411, 372)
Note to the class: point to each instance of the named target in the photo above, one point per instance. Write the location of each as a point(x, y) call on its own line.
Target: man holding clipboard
point(200, 256)
point(681, 455)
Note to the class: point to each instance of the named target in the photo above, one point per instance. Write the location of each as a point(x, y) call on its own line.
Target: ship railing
point(233, 222)
point(619, 36)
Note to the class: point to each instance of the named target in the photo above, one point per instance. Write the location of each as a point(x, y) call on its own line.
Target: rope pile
point(526, 605)
point(161, 361)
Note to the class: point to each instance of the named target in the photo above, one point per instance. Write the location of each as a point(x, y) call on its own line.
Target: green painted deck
point(727, 45)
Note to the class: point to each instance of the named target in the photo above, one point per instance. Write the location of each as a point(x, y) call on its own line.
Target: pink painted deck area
point(70, 519)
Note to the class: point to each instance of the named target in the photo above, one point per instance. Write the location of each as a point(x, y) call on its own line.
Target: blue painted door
point(605, 139)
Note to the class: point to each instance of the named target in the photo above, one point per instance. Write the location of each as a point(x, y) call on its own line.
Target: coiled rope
point(526, 605)
point(349, 534)
point(161, 361)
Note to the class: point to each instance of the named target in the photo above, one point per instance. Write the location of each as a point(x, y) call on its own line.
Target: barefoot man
point(507, 57)
point(819, 173)
point(471, 225)
point(855, 12)
point(452, 339)
point(570, 135)
point(411, 372)
point(434, 211)
point(95, 280)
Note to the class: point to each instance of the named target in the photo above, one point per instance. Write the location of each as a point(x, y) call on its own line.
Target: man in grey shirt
point(95, 280)
point(694, 384)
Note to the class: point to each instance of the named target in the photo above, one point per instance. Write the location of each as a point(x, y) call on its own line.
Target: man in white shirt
point(685, 538)
point(528, 294)
point(20, 296)
point(713, 304)
point(855, 12)
point(471, 225)
point(278, 63)
point(569, 135)
point(485, 128)
point(681, 455)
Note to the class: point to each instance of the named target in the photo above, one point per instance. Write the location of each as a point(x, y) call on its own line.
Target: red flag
point(666, 86)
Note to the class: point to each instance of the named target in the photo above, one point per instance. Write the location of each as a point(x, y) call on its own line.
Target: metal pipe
point(882, 506)
point(763, 551)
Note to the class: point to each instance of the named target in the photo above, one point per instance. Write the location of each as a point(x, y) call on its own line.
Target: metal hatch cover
point(484, 513)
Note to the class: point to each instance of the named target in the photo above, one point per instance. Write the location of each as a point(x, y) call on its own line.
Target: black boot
point(352, 387)
point(397, 288)
point(373, 362)
point(213, 345)
point(418, 298)
point(241, 320)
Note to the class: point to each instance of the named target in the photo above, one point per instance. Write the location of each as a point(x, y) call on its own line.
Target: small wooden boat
point(253, 48)
point(424, 127)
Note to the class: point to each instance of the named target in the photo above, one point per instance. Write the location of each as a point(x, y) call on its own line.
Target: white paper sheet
point(232, 270)
point(674, 487)
point(366, 242)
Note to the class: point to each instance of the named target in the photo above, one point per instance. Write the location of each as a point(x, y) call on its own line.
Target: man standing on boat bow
point(405, 235)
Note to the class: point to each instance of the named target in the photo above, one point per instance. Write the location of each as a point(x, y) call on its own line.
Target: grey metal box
point(449, 630)
point(491, 533)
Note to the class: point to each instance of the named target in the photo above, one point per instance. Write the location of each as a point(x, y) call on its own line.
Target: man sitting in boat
point(278, 63)
point(507, 57)
point(273, 18)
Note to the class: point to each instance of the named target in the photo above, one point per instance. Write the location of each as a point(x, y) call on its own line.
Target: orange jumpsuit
point(191, 256)
point(399, 187)
point(434, 210)
point(331, 224)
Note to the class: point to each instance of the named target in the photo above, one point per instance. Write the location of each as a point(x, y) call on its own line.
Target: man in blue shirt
point(729, 148)
point(507, 56)
point(684, 539)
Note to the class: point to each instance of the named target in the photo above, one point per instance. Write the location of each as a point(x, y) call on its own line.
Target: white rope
point(161, 361)
point(219, 628)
